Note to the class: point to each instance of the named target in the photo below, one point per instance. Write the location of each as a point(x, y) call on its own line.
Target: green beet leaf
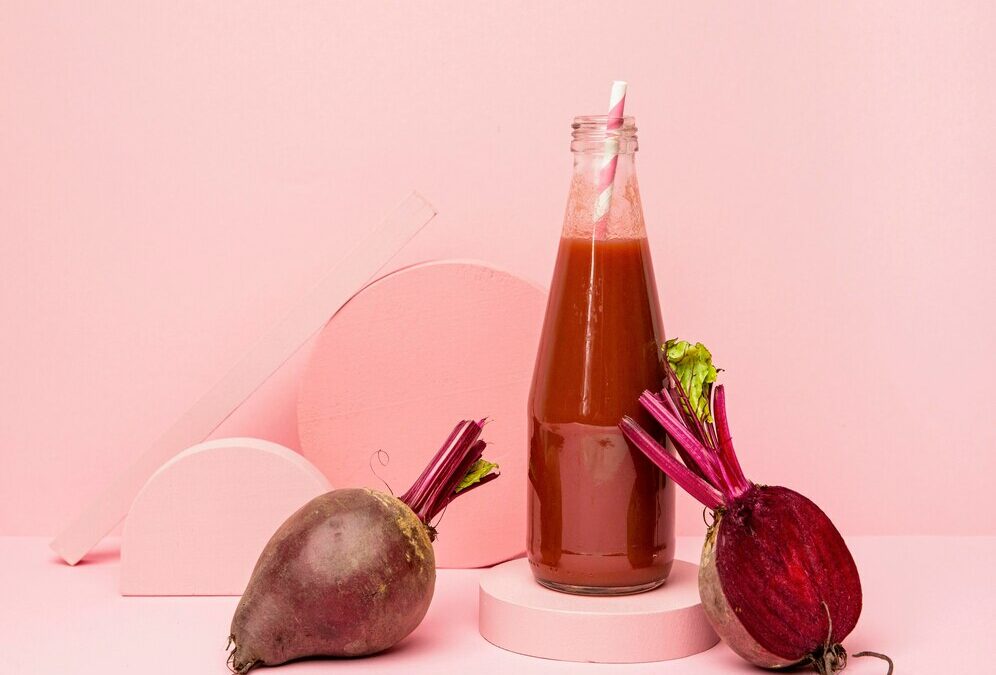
point(693, 366)
point(478, 470)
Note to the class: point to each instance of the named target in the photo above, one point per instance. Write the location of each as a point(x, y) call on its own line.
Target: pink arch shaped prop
point(199, 524)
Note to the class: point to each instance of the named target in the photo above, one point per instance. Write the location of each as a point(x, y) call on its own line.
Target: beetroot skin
point(351, 573)
point(361, 553)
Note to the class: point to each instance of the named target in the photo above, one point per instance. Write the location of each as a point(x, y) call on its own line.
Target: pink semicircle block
point(517, 614)
point(200, 522)
point(406, 359)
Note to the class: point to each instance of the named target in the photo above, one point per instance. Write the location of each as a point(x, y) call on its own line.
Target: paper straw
point(607, 172)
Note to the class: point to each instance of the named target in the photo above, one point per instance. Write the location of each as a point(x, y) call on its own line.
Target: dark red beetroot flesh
point(363, 553)
point(785, 574)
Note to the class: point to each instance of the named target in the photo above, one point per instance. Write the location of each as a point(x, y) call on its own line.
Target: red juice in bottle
point(601, 516)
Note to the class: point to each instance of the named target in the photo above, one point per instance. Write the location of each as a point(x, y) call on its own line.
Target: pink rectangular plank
point(348, 274)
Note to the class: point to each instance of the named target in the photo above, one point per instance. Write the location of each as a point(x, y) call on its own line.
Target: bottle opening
point(591, 132)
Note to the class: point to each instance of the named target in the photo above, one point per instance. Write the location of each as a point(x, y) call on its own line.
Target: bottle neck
point(624, 219)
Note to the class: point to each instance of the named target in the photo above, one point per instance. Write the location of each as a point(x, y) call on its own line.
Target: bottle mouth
point(591, 133)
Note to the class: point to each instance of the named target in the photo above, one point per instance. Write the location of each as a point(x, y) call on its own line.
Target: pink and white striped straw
point(607, 173)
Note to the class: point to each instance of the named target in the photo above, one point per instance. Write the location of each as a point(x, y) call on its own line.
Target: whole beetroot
point(352, 572)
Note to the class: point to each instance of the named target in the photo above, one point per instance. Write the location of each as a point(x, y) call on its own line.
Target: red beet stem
point(701, 456)
point(678, 472)
point(437, 486)
point(711, 428)
point(665, 397)
point(458, 440)
point(727, 455)
point(473, 456)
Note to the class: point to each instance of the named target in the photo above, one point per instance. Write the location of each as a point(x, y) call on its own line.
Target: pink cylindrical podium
point(519, 615)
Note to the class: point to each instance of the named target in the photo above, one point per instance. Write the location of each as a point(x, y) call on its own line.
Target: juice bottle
point(601, 516)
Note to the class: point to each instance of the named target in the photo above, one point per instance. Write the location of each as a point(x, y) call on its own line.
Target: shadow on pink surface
point(108, 552)
point(415, 645)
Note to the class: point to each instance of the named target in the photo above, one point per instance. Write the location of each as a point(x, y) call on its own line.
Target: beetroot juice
point(601, 516)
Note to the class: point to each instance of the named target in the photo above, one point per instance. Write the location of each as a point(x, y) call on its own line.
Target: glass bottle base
point(600, 590)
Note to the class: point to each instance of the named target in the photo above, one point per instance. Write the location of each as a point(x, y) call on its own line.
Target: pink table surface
point(928, 602)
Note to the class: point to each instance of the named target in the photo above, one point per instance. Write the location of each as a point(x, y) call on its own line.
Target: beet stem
point(727, 455)
point(711, 428)
point(462, 436)
point(665, 397)
point(679, 473)
point(437, 486)
point(446, 490)
point(701, 456)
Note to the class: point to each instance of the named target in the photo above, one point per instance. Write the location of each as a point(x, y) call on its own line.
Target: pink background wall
point(820, 180)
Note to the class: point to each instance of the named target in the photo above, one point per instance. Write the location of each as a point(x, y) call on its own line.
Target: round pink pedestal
point(519, 615)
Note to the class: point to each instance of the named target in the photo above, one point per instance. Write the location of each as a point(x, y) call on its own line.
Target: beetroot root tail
point(234, 662)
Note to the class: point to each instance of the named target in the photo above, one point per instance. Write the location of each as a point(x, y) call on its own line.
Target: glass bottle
point(601, 516)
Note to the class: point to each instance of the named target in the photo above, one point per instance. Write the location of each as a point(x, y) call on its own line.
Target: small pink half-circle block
point(200, 522)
